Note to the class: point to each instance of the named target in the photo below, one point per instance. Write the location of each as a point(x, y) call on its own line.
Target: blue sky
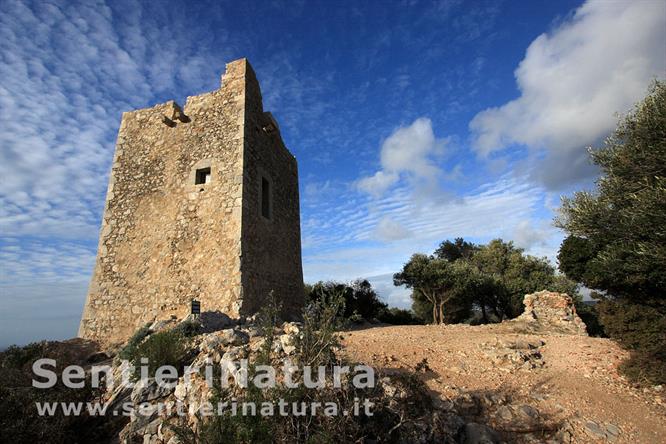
point(412, 122)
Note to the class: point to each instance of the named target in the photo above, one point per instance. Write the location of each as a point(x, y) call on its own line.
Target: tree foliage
point(617, 234)
point(456, 249)
point(400, 316)
point(360, 299)
point(437, 280)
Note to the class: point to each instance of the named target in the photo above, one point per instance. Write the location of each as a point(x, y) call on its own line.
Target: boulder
point(287, 343)
point(232, 336)
point(180, 392)
point(291, 328)
point(211, 343)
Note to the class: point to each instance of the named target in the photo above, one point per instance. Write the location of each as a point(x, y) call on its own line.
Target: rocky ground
point(538, 378)
point(528, 387)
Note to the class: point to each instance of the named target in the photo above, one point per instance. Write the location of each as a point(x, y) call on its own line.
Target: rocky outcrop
point(160, 414)
point(547, 311)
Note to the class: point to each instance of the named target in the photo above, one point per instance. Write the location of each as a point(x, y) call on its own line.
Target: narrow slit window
point(265, 198)
point(202, 176)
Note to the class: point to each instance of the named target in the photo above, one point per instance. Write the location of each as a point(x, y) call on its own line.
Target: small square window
point(202, 176)
point(265, 198)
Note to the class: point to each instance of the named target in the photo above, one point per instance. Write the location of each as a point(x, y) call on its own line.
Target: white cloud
point(378, 183)
point(408, 151)
point(390, 230)
point(539, 237)
point(389, 293)
point(68, 73)
point(31, 261)
point(573, 81)
point(528, 234)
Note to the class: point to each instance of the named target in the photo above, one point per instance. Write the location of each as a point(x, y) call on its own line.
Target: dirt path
point(523, 385)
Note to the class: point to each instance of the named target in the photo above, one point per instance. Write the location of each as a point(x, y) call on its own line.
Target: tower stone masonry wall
point(166, 239)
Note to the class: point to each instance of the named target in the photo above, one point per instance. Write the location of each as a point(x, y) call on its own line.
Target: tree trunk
point(432, 300)
point(441, 312)
point(497, 313)
point(434, 314)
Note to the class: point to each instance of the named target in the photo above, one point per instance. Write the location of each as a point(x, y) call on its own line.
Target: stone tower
point(202, 204)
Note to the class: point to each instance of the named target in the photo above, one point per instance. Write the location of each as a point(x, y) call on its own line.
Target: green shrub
point(399, 316)
point(361, 300)
point(127, 353)
point(647, 367)
point(356, 318)
point(163, 348)
point(641, 329)
point(20, 421)
point(590, 316)
point(17, 357)
point(190, 328)
point(319, 339)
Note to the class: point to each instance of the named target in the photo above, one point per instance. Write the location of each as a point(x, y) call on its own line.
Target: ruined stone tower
point(202, 204)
